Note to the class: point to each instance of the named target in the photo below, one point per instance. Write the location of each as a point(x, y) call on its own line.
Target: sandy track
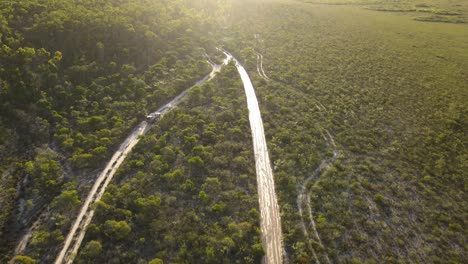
point(270, 221)
point(78, 230)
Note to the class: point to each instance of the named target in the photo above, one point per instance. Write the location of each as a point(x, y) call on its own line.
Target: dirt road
point(270, 222)
point(78, 230)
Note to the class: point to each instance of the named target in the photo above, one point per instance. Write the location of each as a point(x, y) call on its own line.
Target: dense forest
point(364, 105)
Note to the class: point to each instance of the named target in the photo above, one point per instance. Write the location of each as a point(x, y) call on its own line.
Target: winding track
point(304, 194)
point(270, 221)
point(78, 229)
point(260, 70)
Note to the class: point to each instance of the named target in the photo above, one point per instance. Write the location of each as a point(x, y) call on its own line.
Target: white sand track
point(78, 230)
point(270, 220)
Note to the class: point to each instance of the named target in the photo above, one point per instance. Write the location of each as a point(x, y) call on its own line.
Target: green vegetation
point(394, 99)
point(23, 260)
point(188, 191)
point(75, 77)
point(366, 90)
point(422, 10)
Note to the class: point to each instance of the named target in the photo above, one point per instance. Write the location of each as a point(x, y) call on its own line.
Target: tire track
point(260, 70)
point(304, 194)
point(78, 230)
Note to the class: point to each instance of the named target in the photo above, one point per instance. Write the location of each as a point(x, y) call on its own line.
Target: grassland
point(423, 10)
point(394, 98)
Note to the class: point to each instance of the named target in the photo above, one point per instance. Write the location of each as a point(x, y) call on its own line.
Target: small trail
point(270, 220)
point(304, 195)
point(25, 238)
point(78, 230)
point(260, 70)
point(304, 199)
point(300, 199)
